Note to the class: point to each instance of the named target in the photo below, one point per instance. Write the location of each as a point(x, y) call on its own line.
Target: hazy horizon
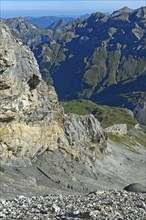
point(36, 8)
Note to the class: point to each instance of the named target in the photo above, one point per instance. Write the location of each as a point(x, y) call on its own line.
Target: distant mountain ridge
point(91, 58)
point(46, 21)
point(101, 58)
point(27, 32)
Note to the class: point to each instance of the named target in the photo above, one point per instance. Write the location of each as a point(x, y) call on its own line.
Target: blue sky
point(12, 8)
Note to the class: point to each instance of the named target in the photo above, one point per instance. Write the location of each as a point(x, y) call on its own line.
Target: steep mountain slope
point(42, 149)
point(56, 24)
point(107, 115)
point(101, 58)
point(28, 33)
point(31, 118)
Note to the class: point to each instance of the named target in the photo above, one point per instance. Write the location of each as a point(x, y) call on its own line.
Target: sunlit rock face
point(31, 118)
point(117, 129)
point(30, 115)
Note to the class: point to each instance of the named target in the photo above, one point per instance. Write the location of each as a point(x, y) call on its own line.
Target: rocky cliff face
point(140, 113)
point(31, 118)
point(30, 115)
point(85, 134)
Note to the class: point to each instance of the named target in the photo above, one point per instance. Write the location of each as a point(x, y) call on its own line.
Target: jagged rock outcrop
point(117, 129)
point(30, 115)
point(84, 133)
point(140, 113)
point(31, 118)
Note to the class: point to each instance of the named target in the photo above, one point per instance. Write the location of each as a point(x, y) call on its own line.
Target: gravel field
point(109, 205)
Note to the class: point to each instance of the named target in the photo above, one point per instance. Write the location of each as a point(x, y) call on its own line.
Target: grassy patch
point(138, 135)
point(105, 114)
point(126, 141)
point(97, 70)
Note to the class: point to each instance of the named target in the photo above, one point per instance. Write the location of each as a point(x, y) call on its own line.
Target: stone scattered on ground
point(117, 205)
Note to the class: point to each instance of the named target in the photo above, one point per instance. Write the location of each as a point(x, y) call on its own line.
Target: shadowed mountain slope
point(98, 57)
point(27, 32)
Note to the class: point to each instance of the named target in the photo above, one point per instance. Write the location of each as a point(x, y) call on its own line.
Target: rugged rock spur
point(31, 118)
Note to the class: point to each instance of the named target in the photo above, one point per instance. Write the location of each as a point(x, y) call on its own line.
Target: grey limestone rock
point(31, 118)
point(30, 115)
point(82, 131)
point(117, 129)
point(135, 187)
point(140, 113)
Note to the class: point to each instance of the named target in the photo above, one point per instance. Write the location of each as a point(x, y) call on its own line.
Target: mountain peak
point(126, 9)
point(20, 25)
point(98, 15)
point(121, 14)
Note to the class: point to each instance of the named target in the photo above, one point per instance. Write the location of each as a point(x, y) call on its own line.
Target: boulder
point(136, 187)
point(117, 129)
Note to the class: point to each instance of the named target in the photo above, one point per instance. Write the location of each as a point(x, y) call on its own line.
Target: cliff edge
point(31, 118)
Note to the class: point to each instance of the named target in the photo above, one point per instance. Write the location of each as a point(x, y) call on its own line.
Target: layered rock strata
point(31, 118)
point(117, 129)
